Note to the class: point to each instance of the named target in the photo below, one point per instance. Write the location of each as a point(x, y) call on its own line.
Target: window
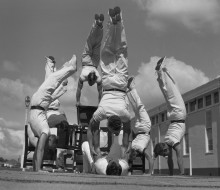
point(192, 106)
point(156, 118)
point(186, 105)
point(162, 117)
point(208, 100)
point(153, 120)
point(208, 132)
point(216, 97)
point(200, 103)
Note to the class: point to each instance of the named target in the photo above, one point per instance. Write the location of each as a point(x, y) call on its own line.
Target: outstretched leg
point(56, 78)
point(39, 152)
point(114, 53)
point(150, 161)
point(175, 103)
point(178, 151)
point(141, 114)
point(170, 161)
point(87, 158)
point(91, 53)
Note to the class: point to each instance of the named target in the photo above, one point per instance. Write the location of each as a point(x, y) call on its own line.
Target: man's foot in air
point(99, 20)
point(159, 63)
point(72, 62)
point(118, 15)
point(111, 13)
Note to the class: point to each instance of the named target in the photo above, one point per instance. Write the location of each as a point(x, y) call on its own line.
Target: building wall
point(196, 123)
point(203, 162)
point(218, 136)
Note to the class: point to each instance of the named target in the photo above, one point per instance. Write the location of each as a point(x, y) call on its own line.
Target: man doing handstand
point(91, 59)
point(114, 67)
point(140, 125)
point(51, 89)
point(176, 113)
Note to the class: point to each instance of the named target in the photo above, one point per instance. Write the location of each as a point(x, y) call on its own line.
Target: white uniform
point(54, 114)
point(91, 53)
point(99, 167)
point(114, 67)
point(176, 109)
point(141, 122)
point(50, 90)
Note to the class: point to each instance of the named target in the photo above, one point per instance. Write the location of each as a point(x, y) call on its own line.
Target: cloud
point(186, 77)
point(13, 92)
point(193, 14)
point(10, 67)
point(11, 141)
point(9, 124)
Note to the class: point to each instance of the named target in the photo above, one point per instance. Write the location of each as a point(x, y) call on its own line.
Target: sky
point(187, 32)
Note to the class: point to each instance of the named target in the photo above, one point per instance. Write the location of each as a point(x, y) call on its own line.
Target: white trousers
point(46, 93)
point(91, 53)
point(88, 162)
point(142, 120)
point(114, 58)
point(176, 107)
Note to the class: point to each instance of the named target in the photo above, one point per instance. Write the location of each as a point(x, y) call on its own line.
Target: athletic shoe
point(101, 17)
point(111, 13)
point(96, 17)
point(99, 20)
point(117, 10)
point(118, 15)
point(72, 62)
point(159, 63)
point(51, 58)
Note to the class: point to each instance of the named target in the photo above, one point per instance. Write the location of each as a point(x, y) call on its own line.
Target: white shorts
point(38, 122)
point(175, 133)
point(112, 103)
point(140, 142)
point(55, 117)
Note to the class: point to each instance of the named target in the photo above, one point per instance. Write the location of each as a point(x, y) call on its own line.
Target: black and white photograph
point(109, 94)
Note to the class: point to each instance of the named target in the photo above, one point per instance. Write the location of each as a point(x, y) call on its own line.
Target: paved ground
point(18, 180)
